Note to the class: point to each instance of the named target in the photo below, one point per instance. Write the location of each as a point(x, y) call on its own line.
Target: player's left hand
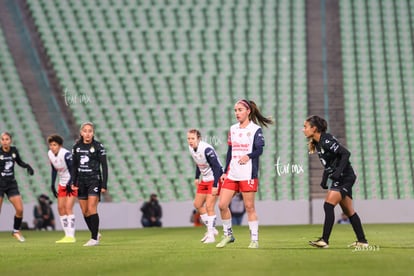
point(30, 170)
point(244, 159)
point(214, 191)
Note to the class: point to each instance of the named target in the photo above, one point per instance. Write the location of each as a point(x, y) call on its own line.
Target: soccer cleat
point(320, 243)
point(254, 244)
point(66, 239)
point(18, 236)
point(358, 244)
point(210, 239)
point(92, 242)
point(215, 232)
point(225, 241)
point(204, 238)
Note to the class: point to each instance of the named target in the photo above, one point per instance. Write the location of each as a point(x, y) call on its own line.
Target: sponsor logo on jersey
point(84, 159)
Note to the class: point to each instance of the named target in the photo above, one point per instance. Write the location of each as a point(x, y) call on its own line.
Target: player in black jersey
point(89, 157)
point(8, 184)
point(338, 178)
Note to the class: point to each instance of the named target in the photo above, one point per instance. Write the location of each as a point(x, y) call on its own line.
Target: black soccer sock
point(88, 222)
point(94, 219)
point(357, 226)
point(17, 223)
point(329, 221)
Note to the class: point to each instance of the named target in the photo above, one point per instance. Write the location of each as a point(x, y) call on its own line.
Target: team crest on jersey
point(1, 157)
point(248, 134)
point(13, 155)
point(240, 134)
point(92, 149)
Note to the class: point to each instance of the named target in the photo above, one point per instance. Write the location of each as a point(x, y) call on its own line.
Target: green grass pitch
point(284, 250)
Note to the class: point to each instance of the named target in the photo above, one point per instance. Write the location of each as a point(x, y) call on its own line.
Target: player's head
point(193, 138)
point(55, 142)
point(248, 110)
point(87, 131)
point(314, 126)
point(6, 140)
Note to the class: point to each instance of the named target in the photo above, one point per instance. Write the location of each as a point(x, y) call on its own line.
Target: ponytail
point(257, 117)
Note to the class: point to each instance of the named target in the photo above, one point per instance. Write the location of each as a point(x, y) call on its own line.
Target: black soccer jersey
point(87, 162)
point(333, 156)
point(7, 160)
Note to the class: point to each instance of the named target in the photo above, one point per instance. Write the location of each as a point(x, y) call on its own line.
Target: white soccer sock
point(227, 227)
point(211, 223)
point(204, 218)
point(71, 225)
point(64, 222)
point(254, 230)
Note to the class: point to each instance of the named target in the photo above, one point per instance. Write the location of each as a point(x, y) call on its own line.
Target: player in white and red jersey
point(207, 181)
point(246, 144)
point(61, 163)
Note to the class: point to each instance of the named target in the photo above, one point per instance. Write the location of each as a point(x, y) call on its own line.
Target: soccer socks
point(17, 224)
point(227, 227)
point(254, 230)
point(211, 224)
point(88, 222)
point(204, 218)
point(64, 223)
point(71, 226)
point(329, 221)
point(94, 222)
point(357, 226)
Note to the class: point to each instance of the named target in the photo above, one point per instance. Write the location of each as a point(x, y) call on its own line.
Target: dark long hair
point(255, 114)
point(320, 124)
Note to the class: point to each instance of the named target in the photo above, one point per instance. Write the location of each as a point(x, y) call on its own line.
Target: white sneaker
point(92, 242)
point(210, 238)
point(215, 233)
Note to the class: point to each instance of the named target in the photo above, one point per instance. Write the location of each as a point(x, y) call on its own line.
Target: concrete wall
point(177, 214)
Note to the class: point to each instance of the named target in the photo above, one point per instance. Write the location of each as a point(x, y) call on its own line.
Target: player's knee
point(328, 207)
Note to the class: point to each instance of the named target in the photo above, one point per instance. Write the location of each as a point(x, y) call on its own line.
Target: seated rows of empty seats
point(19, 121)
point(150, 70)
point(378, 68)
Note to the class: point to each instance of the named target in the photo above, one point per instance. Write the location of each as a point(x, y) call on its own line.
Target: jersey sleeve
point(68, 161)
point(104, 166)
point(215, 165)
point(197, 173)
point(53, 175)
point(258, 144)
point(75, 165)
point(19, 160)
point(329, 143)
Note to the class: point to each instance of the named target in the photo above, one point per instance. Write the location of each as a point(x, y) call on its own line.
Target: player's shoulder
point(253, 126)
point(98, 144)
point(327, 140)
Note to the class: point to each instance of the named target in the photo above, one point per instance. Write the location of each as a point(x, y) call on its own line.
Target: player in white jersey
point(207, 181)
point(61, 163)
point(245, 145)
